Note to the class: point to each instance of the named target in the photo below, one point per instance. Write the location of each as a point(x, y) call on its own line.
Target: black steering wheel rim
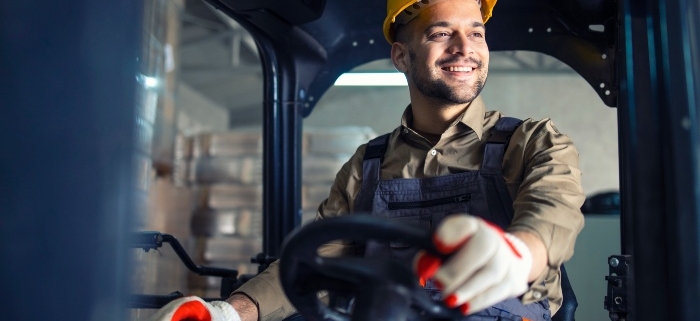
point(303, 272)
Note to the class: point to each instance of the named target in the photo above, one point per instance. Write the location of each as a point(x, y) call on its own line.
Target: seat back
point(569, 304)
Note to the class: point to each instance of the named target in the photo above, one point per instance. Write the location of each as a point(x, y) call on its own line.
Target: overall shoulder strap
point(497, 142)
point(376, 147)
point(371, 164)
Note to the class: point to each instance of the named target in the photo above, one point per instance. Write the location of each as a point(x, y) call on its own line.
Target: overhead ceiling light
point(371, 79)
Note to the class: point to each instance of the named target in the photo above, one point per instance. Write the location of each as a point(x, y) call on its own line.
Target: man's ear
point(399, 56)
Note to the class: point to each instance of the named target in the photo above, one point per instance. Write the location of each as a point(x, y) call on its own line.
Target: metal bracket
point(263, 260)
point(618, 279)
point(148, 240)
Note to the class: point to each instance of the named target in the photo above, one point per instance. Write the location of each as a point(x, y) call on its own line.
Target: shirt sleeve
point(265, 289)
point(541, 168)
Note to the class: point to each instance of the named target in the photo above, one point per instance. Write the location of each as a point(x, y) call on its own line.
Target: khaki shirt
point(541, 172)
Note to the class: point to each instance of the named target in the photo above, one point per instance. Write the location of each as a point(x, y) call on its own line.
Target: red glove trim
point(451, 301)
point(503, 235)
point(465, 309)
point(427, 265)
point(191, 311)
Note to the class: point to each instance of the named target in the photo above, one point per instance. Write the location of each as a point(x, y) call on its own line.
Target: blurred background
point(199, 118)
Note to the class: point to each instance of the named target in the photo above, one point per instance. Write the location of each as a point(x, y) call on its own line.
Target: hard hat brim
point(486, 12)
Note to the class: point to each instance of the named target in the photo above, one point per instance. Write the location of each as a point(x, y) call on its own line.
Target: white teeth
point(466, 69)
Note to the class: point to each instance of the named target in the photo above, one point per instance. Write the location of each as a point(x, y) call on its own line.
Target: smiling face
point(443, 52)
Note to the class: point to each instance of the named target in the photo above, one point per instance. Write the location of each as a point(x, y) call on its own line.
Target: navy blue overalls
point(426, 201)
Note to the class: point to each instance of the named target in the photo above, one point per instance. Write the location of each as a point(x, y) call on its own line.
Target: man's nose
point(460, 45)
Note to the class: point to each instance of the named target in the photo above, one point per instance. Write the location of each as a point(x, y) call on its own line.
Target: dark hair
point(401, 33)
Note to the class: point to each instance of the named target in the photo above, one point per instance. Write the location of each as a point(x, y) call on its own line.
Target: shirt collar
point(473, 117)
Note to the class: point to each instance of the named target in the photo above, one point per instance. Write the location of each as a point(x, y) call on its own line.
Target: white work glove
point(485, 267)
point(193, 308)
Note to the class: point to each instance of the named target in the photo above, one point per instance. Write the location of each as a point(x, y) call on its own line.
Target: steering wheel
point(382, 288)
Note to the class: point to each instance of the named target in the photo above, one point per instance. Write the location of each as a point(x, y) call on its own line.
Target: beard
point(438, 89)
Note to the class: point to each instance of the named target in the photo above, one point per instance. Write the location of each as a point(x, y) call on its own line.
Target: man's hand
point(486, 265)
point(193, 308)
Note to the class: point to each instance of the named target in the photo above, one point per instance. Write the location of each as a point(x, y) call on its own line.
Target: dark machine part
point(620, 276)
point(382, 288)
point(659, 82)
point(153, 241)
point(602, 203)
point(263, 261)
point(290, 58)
point(152, 301)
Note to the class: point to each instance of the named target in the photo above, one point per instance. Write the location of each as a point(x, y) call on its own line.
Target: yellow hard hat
point(396, 7)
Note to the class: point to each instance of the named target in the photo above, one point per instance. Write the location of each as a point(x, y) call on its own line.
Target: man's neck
point(433, 117)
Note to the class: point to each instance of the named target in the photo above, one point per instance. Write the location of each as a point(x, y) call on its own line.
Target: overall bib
point(426, 201)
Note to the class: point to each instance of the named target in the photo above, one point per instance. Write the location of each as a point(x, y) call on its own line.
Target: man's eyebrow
point(445, 24)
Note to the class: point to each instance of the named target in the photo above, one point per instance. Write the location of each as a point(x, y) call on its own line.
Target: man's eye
point(439, 34)
point(477, 34)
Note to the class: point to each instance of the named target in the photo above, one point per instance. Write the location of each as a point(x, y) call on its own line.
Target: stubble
point(438, 89)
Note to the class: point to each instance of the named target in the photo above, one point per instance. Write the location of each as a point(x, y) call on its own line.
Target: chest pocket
point(415, 203)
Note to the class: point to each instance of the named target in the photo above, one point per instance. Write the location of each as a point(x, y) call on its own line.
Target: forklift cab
point(640, 57)
point(306, 46)
point(625, 50)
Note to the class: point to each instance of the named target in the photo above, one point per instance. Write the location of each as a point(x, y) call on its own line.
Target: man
point(447, 143)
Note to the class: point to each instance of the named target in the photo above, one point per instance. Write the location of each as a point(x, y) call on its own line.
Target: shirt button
point(405, 131)
point(433, 152)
